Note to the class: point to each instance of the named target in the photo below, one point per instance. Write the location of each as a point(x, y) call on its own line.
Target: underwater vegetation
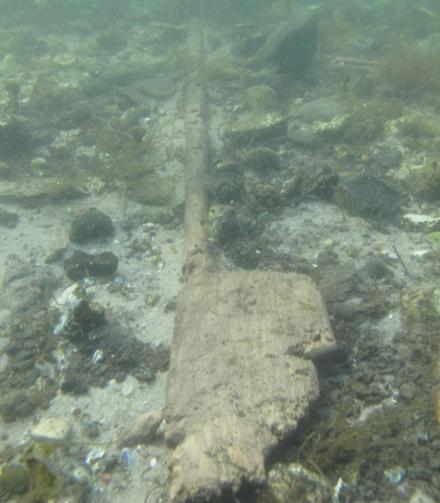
point(425, 181)
point(411, 70)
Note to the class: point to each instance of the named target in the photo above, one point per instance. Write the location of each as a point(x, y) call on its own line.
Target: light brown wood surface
point(241, 373)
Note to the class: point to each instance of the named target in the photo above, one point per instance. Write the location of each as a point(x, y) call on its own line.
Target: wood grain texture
point(240, 376)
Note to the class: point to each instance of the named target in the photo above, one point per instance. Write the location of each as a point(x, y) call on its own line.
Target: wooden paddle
point(241, 372)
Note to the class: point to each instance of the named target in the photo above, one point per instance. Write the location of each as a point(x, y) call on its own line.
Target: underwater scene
point(219, 251)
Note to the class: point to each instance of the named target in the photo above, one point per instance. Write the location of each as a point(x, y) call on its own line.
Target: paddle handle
point(197, 257)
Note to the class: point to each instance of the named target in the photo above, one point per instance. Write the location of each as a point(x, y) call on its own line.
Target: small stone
point(52, 430)
point(395, 475)
point(152, 299)
point(91, 429)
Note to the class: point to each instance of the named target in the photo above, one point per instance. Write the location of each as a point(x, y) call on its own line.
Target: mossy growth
point(223, 224)
point(260, 159)
point(49, 98)
point(108, 138)
point(364, 126)
point(223, 67)
point(15, 137)
point(261, 98)
point(14, 480)
point(418, 308)
point(340, 448)
point(425, 181)
point(433, 238)
point(411, 70)
point(152, 189)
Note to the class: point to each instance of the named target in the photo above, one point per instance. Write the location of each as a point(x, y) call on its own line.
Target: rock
point(367, 196)
point(153, 189)
point(318, 110)
point(315, 120)
point(16, 405)
point(91, 429)
point(260, 159)
point(422, 223)
point(227, 186)
point(376, 268)
point(254, 129)
point(7, 219)
point(52, 430)
point(142, 430)
point(15, 137)
point(292, 46)
point(301, 136)
point(91, 224)
point(395, 475)
point(293, 483)
point(81, 265)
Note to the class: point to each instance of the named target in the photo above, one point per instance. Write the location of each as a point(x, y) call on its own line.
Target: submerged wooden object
point(241, 372)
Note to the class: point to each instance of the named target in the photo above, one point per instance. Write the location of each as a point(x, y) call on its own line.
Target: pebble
point(395, 475)
point(52, 430)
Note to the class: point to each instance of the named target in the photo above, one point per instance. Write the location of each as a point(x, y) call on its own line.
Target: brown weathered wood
point(241, 374)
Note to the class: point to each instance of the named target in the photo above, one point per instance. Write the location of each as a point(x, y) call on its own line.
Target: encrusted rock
point(423, 223)
point(295, 484)
point(81, 265)
point(91, 224)
point(255, 128)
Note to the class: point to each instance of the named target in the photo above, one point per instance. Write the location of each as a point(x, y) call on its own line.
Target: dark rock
point(319, 179)
point(91, 429)
point(91, 224)
point(260, 159)
point(228, 186)
point(56, 255)
point(337, 282)
point(292, 46)
point(15, 137)
point(81, 265)
point(8, 219)
point(367, 196)
point(376, 268)
point(74, 383)
point(17, 405)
